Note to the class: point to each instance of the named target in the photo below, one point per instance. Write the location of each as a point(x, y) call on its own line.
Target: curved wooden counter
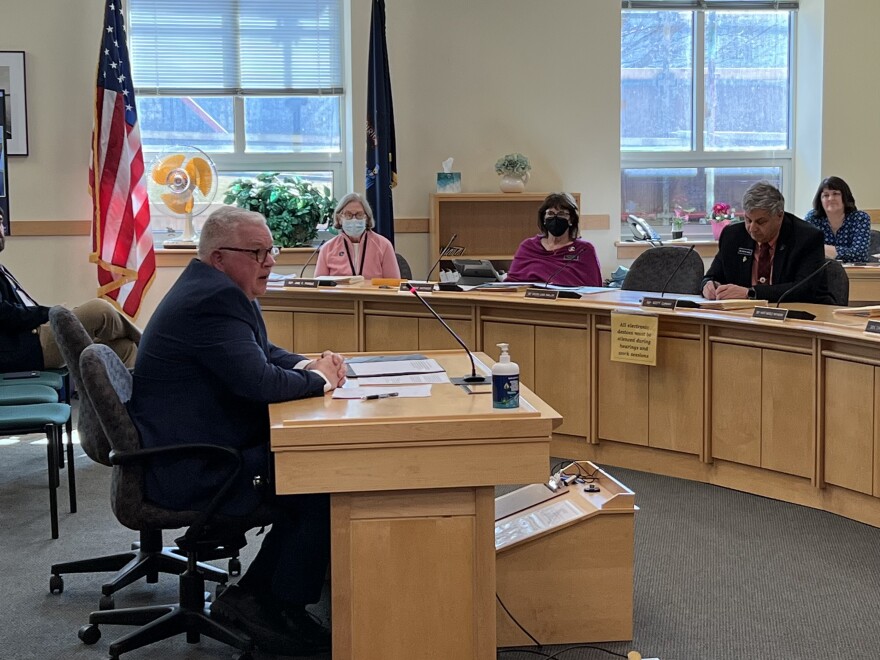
point(788, 411)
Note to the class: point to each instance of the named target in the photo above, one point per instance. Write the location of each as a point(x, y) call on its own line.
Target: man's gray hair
point(222, 226)
point(764, 196)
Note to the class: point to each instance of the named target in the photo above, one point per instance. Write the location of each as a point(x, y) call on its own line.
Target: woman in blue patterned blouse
point(847, 230)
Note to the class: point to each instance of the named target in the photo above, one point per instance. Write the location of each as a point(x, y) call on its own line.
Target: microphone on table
point(442, 254)
point(473, 378)
point(311, 256)
point(569, 260)
point(797, 314)
point(680, 303)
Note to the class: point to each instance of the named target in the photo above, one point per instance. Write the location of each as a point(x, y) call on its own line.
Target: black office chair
point(837, 282)
point(148, 557)
point(405, 270)
point(108, 384)
point(653, 267)
point(874, 246)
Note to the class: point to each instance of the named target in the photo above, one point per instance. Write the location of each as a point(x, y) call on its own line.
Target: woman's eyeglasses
point(345, 215)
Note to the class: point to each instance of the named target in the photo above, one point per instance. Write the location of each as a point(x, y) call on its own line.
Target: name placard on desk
point(543, 294)
point(873, 327)
point(662, 303)
point(770, 313)
point(297, 283)
point(421, 287)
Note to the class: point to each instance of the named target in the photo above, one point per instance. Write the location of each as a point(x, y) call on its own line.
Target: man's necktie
point(764, 263)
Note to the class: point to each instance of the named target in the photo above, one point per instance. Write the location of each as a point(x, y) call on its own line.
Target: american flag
point(122, 244)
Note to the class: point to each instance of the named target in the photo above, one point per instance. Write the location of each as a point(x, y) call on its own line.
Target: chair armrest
point(197, 450)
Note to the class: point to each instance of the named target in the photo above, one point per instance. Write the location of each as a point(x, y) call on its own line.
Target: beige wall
point(471, 80)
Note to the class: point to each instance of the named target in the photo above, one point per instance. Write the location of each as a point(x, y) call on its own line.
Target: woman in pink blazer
point(357, 250)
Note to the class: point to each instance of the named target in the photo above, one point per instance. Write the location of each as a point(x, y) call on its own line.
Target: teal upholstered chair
point(48, 418)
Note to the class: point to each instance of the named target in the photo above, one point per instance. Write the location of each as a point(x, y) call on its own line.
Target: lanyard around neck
point(363, 254)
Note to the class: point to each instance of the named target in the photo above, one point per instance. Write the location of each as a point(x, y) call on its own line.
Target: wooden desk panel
point(771, 408)
point(412, 509)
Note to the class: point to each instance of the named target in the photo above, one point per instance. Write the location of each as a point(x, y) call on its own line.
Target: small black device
point(641, 230)
point(474, 272)
point(17, 375)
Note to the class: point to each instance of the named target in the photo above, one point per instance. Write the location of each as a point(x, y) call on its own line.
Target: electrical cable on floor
point(513, 618)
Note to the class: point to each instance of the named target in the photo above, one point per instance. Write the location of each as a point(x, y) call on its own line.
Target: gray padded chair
point(653, 267)
point(874, 246)
point(837, 282)
point(405, 270)
point(148, 557)
point(108, 385)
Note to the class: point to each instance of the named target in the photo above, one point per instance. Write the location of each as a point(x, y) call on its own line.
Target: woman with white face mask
point(357, 250)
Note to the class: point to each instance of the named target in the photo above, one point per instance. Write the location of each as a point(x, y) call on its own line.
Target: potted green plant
point(514, 170)
point(293, 208)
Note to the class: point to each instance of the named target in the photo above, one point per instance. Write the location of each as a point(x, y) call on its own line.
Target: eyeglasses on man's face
point(348, 215)
point(259, 254)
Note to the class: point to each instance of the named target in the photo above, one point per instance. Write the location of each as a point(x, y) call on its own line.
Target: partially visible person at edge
point(847, 231)
point(556, 255)
point(357, 250)
point(206, 373)
point(27, 342)
point(767, 254)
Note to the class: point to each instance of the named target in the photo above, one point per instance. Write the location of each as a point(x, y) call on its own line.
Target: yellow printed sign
point(634, 338)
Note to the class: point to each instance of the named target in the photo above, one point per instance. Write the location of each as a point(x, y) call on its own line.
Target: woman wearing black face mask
point(557, 255)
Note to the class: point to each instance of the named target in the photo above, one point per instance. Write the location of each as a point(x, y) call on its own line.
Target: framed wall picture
point(12, 82)
point(4, 177)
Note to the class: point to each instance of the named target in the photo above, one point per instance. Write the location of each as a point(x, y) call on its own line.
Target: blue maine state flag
point(381, 145)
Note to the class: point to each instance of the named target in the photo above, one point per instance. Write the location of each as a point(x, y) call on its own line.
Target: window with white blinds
point(257, 84)
point(247, 47)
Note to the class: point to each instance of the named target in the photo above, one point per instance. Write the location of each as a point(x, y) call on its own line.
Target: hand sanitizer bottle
point(505, 381)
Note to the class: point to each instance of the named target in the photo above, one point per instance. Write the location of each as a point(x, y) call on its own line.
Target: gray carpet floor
point(719, 574)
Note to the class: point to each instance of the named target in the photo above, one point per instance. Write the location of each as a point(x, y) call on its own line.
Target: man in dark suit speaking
point(206, 372)
point(768, 254)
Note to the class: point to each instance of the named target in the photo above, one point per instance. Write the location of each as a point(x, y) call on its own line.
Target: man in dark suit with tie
point(767, 254)
point(206, 372)
point(26, 339)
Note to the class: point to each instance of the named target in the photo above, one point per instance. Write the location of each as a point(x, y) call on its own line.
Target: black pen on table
point(372, 397)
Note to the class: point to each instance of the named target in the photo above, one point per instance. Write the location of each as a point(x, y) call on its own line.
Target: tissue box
point(448, 182)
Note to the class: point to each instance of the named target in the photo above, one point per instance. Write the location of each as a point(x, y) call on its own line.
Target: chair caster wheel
point(56, 584)
point(106, 603)
point(89, 634)
point(235, 567)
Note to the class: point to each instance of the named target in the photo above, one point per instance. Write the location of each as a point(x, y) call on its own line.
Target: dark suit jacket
point(19, 339)
point(799, 252)
point(206, 372)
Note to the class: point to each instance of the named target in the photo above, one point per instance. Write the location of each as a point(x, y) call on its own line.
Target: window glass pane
point(292, 124)
point(656, 71)
point(656, 194)
point(203, 122)
point(747, 80)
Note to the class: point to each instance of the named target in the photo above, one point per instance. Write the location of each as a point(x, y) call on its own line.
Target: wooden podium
point(565, 561)
point(412, 509)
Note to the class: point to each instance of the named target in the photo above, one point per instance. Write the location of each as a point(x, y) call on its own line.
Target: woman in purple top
point(556, 255)
point(847, 230)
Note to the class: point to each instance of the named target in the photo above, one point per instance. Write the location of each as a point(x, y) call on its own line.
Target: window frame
point(697, 156)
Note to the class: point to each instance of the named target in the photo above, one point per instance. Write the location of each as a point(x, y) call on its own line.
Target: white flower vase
point(511, 183)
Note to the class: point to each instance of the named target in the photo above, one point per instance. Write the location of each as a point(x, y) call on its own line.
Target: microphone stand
point(311, 256)
point(799, 314)
point(565, 294)
point(473, 379)
point(440, 258)
point(679, 303)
